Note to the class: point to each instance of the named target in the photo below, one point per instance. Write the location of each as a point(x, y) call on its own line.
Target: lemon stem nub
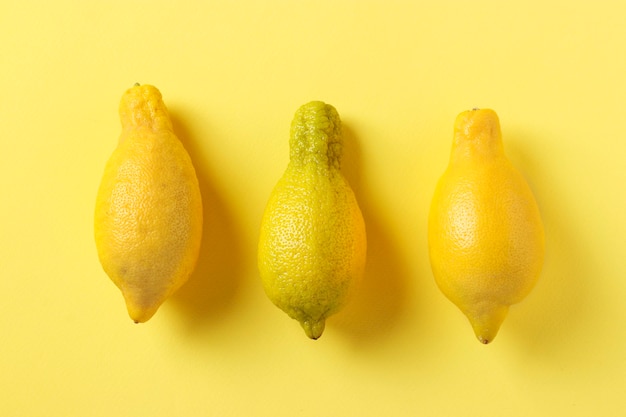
point(314, 329)
point(487, 323)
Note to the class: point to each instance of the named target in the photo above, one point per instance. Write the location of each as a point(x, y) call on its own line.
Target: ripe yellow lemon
point(312, 244)
point(148, 217)
point(485, 235)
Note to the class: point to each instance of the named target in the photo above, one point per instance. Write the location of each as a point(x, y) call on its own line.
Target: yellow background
point(232, 75)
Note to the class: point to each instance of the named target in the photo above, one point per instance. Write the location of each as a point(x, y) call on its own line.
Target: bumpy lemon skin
point(312, 244)
point(485, 234)
point(148, 217)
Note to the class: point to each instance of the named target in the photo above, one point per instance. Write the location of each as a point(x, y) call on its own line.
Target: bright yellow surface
point(232, 75)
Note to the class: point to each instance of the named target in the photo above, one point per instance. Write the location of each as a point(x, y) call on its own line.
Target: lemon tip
point(313, 329)
point(484, 340)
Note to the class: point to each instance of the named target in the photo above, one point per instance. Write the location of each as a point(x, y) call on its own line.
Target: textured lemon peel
point(486, 239)
point(148, 219)
point(316, 136)
point(312, 241)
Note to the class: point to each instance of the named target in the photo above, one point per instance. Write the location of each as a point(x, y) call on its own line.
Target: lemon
point(485, 235)
point(312, 244)
point(148, 217)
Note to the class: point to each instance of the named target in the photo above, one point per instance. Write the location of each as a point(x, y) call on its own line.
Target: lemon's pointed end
point(487, 324)
point(141, 313)
point(313, 329)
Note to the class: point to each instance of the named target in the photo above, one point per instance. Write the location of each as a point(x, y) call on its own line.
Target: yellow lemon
point(485, 235)
point(312, 244)
point(148, 217)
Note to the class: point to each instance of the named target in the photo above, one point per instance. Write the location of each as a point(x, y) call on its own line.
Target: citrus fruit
point(148, 217)
point(312, 244)
point(485, 234)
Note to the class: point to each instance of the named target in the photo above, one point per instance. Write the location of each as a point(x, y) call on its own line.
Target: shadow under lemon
point(553, 313)
point(211, 288)
point(381, 297)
